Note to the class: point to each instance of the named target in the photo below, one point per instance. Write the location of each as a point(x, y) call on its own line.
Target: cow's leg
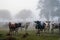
point(21, 28)
point(45, 30)
point(48, 29)
point(11, 32)
point(26, 34)
point(52, 30)
point(38, 32)
point(26, 29)
point(16, 31)
point(59, 30)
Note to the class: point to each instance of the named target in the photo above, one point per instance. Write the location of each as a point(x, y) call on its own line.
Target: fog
point(49, 8)
point(23, 10)
point(5, 17)
point(17, 10)
point(24, 15)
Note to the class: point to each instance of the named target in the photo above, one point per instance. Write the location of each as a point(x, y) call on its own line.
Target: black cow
point(39, 26)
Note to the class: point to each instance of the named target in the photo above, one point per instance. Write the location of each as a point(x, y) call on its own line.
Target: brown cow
point(12, 28)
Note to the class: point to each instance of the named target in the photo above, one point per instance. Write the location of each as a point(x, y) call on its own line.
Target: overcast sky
point(14, 6)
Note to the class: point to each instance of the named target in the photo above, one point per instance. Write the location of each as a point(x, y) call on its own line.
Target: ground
point(31, 36)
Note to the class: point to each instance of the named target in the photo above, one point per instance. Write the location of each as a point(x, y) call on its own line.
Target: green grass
point(32, 36)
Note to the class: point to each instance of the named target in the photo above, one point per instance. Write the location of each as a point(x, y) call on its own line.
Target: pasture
point(32, 36)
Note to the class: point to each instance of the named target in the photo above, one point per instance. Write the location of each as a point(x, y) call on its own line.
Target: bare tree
point(49, 8)
point(24, 14)
point(4, 15)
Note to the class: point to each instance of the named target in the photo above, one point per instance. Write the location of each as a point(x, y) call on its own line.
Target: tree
point(24, 14)
point(5, 15)
point(49, 8)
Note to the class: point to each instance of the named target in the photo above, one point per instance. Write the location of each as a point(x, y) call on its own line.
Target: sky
point(14, 6)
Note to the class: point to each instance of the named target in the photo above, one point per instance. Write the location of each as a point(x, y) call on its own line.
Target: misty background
point(50, 9)
point(29, 10)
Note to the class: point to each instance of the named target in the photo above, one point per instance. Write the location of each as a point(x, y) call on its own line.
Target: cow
point(47, 26)
point(39, 26)
point(59, 28)
point(55, 26)
point(13, 28)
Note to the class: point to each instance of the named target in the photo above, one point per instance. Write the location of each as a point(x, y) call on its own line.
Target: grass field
point(31, 36)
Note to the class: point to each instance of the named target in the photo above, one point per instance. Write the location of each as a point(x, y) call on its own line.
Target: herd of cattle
point(39, 26)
